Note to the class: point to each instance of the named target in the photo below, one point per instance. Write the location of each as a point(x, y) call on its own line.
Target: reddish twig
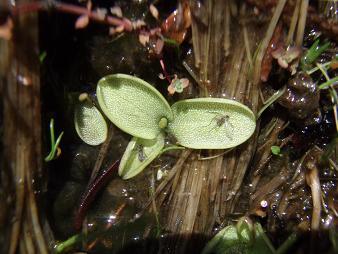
point(165, 71)
point(89, 196)
point(25, 8)
point(267, 59)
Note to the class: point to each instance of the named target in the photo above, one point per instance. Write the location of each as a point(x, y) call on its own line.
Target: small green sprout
point(163, 123)
point(138, 109)
point(328, 83)
point(177, 85)
point(313, 53)
point(275, 150)
point(42, 56)
point(68, 244)
point(55, 150)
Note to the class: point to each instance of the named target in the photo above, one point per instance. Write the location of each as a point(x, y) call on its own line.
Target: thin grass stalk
point(293, 24)
point(301, 22)
point(34, 216)
point(27, 237)
point(227, 41)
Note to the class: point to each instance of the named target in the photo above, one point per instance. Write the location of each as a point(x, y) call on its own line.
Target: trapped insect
point(223, 120)
point(140, 152)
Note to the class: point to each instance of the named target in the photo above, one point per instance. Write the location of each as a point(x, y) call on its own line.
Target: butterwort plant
point(137, 108)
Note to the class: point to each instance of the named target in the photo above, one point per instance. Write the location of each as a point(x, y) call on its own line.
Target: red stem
point(89, 196)
point(164, 71)
point(71, 9)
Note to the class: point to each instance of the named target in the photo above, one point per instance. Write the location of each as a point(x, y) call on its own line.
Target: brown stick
point(30, 7)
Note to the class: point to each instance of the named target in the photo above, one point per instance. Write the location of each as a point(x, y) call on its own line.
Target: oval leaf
point(90, 124)
point(211, 123)
point(139, 153)
point(133, 105)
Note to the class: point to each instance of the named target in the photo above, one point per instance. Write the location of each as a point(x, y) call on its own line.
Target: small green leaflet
point(275, 150)
point(139, 154)
point(54, 150)
point(90, 124)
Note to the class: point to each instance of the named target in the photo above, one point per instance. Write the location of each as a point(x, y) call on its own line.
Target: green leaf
point(139, 154)
point(245, 238)
point(275, 150)
point(90, 124)
point(262, 243)
point(313, 53)
point(245, 230)
point(211, 123)
point(223, 240)
point(133, 105)
point(329, 83)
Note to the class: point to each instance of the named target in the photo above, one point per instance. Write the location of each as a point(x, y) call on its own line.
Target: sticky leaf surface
point(133, 105)
point(90, 124)
point(211, 123)
point(139, 154)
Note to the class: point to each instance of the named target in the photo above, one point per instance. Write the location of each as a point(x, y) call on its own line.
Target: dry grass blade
point(34, 216)
point(302, 22)
point(185, 154)
point(102, 154)
point(266, 40)
point(312, 180)
point(293, 23)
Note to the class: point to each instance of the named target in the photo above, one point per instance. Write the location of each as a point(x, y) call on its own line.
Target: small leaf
point(6, 29)
point(82, 22)
point(222, 241)
point(143, 39)
point(275, 150)
point(313, 53)
point(177, 85)
point(116, 10)
point(139, 154)
point(250, 239)
point(211, 123)
point(153, 11)
point(90, 124)
point(133, 105)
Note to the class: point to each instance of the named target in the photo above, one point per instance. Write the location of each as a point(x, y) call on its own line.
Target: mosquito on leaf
point(222, 120)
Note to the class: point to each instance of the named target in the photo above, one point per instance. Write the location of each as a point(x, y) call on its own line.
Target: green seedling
point(275, 150)
point(312, 54)
point(138, 109)
point(55, 150)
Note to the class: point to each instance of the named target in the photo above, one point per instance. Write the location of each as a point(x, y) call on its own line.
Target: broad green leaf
point(245, 239)
point(139, 153)
point(224, 239)
point(90, 124)
point(211, 123)
point(133, 105)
